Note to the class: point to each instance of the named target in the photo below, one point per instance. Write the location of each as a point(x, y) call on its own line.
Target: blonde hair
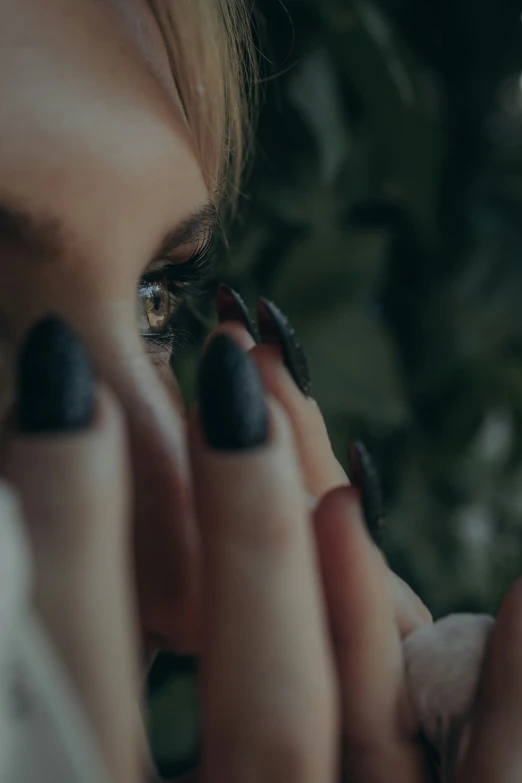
point(213, 60)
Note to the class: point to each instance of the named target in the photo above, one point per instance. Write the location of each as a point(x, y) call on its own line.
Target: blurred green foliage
point(383, 214)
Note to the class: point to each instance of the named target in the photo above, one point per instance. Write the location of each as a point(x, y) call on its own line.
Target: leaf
point(315, 93)
point(329, 269)
point(398, 115)
point(354, 368)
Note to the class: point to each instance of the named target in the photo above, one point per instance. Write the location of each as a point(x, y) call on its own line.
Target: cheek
point(160, 361)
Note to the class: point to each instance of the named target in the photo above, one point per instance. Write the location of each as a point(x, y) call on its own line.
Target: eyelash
point(189, 284)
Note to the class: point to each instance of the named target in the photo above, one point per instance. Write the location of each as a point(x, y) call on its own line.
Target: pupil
point(156, 300)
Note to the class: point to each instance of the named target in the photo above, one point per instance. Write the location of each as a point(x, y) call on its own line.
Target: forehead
point(137, 19)
point(91, 127)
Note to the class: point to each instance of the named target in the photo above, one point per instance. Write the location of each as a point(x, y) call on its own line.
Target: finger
point(321, 469)
point(378, 727)
point(494, 754)
point(365, 476)
point(269, 703)
point(236, 331)
point(283, 367)
point(235, 319)
point(66, 456)
point(410, 612)
point(231, 308)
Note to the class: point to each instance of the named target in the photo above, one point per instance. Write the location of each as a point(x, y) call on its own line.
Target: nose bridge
point(164, 534)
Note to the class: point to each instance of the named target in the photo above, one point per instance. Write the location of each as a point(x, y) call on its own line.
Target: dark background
point(383, 215)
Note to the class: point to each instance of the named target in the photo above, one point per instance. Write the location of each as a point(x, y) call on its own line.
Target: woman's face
point(99, 184)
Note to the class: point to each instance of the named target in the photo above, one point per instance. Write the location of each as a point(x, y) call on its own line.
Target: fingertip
point(236, 331)
point(349, 560)
point(344, 494)
point(340, 532)
point(270, 361)
point(422, 609)
point(365, 476)
point(340, 506)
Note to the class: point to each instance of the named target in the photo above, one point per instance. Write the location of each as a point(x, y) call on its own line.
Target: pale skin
point(92, 134)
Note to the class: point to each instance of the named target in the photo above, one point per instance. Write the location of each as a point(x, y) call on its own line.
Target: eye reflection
point(154, 308)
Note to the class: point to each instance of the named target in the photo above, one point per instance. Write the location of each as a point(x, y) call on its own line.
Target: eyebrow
point(45, 238)
point(198, 229)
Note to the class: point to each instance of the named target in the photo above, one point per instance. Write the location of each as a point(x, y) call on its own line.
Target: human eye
point(155, 308)
point(169, 298)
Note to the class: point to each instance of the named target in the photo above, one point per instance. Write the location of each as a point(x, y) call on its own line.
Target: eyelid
point(160, 264)
point(185, 257)
point(197, 267)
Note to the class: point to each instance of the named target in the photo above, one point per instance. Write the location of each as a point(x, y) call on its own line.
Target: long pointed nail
point(233, 409)
point(275, 328)
point(56, 382)
point(231, 307)
point(364, 476)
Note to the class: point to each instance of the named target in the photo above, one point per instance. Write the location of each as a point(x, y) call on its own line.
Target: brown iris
point(154, 307)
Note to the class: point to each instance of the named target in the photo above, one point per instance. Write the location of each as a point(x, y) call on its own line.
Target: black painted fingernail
point(274, 327)
point(231, 307)
point(232, 402)
point(56, 382)
point(364, 476)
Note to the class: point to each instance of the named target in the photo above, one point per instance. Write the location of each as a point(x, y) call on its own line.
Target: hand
point(370, 609)
point(282, 365)
point(269, 699)
point(261, 582)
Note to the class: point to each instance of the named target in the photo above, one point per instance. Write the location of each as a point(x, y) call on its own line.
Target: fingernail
point(231, 307)
point(56, 383)
point(364, 476)
point(274, 327)
point(233, 408)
